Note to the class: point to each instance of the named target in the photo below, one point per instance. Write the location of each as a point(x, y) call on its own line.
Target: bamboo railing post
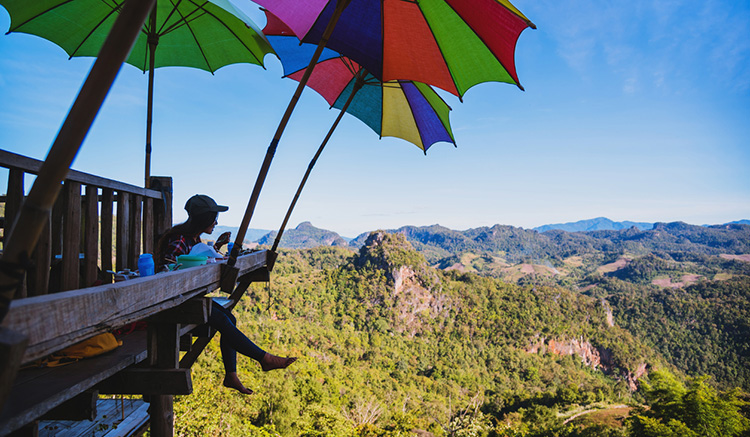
point(229, 273)
point(357, 86)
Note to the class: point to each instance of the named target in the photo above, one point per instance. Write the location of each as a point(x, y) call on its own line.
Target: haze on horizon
point(635, 111)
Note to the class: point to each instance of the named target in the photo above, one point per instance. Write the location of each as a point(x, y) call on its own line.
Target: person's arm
point(222, 240)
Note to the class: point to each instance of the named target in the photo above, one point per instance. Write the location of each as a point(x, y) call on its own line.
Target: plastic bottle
point(146, 264)
point(229, 248)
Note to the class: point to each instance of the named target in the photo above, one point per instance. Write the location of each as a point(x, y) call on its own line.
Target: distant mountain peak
point(595, 224)
point(304, 236)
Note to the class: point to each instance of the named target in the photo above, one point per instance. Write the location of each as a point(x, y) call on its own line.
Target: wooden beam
point(80, 407)
point(148, 381)
point(31, 165)
point(14, 198)
point(12, 347)
point(75, 315)
point(194, 311)
point(186, 342)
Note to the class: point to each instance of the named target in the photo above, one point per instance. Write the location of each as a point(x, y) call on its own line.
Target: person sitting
point(179, 240)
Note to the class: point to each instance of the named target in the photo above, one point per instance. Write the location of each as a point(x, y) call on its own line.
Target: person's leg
point(223, 321)
point(232, 339)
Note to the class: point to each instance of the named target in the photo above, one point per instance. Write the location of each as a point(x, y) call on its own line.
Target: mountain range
point(515, 244)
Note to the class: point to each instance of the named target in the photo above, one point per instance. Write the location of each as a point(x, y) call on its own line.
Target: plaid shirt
point(179, 246)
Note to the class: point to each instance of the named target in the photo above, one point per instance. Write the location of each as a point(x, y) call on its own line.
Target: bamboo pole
point(153, 41)
point(360, 81)
point(229, 276)
point(38, 203)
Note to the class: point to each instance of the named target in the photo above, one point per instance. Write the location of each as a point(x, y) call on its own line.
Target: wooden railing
point(99, 225)
point(76, 248)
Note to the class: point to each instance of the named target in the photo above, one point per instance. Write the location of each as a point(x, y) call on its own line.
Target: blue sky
point(633, 110)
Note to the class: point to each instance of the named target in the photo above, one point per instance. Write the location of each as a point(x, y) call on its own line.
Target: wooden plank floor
point(115, 417)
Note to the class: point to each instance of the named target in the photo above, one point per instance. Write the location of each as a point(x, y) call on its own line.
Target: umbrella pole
point(357, 85)
point(229, 275)
point(153, 40)
point(37, 205)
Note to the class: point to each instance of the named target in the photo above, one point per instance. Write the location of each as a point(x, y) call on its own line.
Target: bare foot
point(271, 362)
point(231, 380)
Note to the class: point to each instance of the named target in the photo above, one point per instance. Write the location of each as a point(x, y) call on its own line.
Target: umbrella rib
point(37, 15)
point(183, 18)
point(162, 31)
point(93, 29)
point(260, 61)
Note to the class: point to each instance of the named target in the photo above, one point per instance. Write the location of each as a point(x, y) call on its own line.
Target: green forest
point(394, 340)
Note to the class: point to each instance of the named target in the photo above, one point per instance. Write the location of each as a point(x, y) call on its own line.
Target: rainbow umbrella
point(403, 109)
point(451, 44)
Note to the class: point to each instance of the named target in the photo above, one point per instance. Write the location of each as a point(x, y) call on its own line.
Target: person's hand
point(222, 240)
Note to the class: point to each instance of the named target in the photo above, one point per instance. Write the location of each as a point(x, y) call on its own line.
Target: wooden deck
point(115, 418)
point(57, 320)
point(98, 225)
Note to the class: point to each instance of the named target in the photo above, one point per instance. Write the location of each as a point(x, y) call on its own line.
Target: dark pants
point(232, 340)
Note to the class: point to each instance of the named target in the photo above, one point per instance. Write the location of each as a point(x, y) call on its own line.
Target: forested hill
point(518, 245)
point(391, 346)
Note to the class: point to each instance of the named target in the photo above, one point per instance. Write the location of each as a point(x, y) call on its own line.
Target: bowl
point(188, 261)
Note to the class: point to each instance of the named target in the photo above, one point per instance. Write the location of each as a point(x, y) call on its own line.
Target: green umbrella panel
point(189, 33)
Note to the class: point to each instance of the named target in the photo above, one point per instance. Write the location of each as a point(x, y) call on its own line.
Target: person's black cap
point(200, 203)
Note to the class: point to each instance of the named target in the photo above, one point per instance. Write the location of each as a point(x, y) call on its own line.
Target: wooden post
point(42, 260)
point(149, 238)
point(91, 236)
point(123, 231)
point(135, 231)
point(71, 263)
point(163, 353)
point(108, 198)
point(162, 208)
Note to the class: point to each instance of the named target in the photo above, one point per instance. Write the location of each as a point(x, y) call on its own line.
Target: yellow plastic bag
point(92, 347)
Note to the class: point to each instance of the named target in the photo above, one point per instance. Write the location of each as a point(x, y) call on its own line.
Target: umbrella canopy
point(190, 33)
point(451, 44)
point(403, 109)
point(409, 110)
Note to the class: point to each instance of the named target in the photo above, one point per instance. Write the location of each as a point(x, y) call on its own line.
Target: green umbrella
point(191, 33)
